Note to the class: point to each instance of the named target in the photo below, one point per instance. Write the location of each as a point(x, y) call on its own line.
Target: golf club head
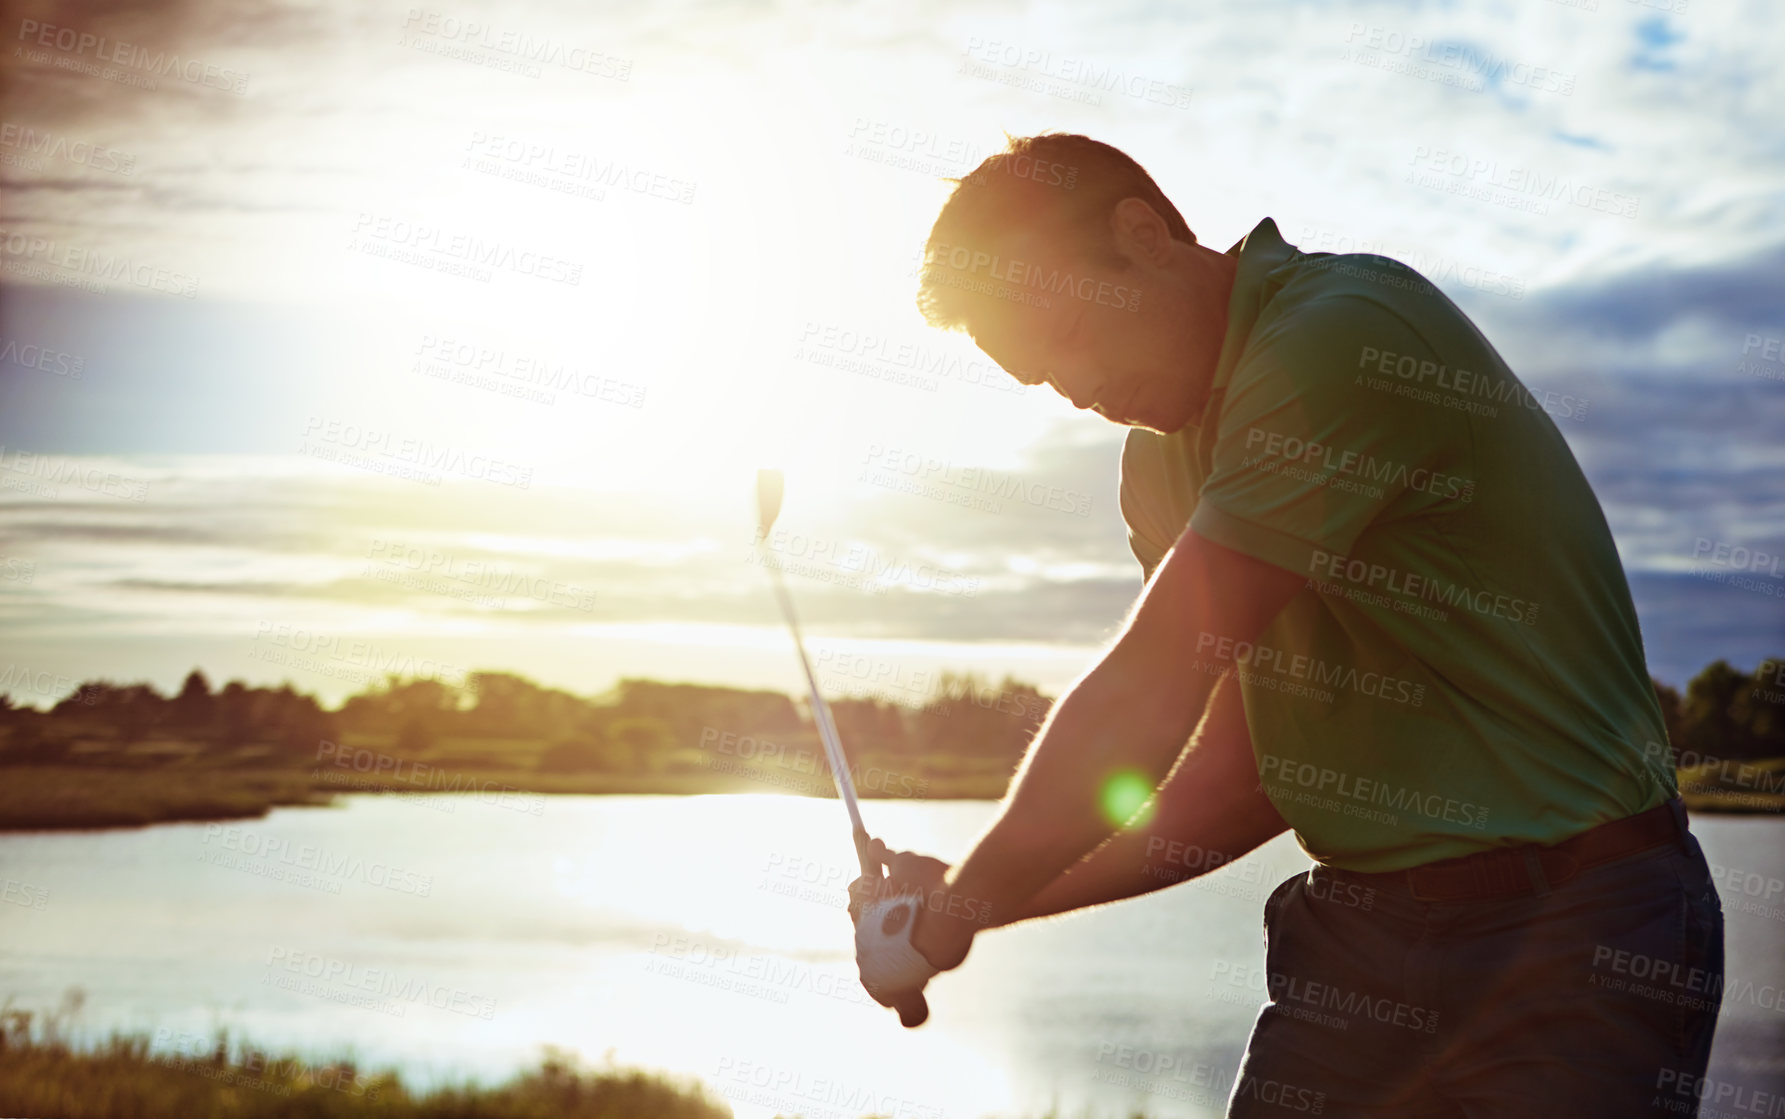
point(769, 487)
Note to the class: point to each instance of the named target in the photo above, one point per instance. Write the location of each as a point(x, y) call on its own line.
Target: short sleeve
point(1313, 446)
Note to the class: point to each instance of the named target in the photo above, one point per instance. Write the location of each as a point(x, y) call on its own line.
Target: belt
point(1529, 868)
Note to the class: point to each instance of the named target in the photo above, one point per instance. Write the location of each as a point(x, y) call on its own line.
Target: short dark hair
point(1061, 180)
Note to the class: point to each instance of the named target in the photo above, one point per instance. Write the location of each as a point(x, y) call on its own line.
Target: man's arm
point(1129, 716)
point(1209, 812)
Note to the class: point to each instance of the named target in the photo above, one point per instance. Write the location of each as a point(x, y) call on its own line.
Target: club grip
point(913, 1010)
point(864, 854)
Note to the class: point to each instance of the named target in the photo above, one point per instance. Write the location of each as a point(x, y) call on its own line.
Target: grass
point(164, 781)
point(78, 796)
point(1752, 787)
point(42, 1074)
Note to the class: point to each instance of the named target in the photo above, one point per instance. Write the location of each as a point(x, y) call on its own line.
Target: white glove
point(889, 964)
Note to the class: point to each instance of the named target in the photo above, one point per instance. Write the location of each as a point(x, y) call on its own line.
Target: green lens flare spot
point(1123, 795)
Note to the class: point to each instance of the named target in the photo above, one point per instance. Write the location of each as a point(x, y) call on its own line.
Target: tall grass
point(43, 1073)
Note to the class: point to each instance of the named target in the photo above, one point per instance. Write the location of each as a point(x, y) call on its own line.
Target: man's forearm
point(1209, 812)
point(1118, 728)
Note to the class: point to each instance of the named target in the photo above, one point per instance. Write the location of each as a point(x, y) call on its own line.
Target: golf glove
point(893, 971)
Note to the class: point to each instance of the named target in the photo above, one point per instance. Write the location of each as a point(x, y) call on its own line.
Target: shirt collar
point(1256, 281)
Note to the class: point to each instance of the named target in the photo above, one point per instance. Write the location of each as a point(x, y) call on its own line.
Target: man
point(1383, 609)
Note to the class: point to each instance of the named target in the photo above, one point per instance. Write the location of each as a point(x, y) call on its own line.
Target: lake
point(452, 937)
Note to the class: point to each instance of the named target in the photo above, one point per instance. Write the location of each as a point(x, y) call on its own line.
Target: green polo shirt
point(1463, 669)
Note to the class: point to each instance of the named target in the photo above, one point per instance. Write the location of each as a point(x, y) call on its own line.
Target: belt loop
point(1677, 806)
point(1534, 868)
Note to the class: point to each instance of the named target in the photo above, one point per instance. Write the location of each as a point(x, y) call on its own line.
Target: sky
point(258, 415)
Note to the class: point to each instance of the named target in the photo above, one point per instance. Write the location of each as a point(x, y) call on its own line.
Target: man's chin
point(1154, 425)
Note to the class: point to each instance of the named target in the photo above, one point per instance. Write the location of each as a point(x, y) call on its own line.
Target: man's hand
point(912, 936)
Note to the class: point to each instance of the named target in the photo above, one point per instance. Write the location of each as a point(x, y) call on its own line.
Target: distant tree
point(416, 737)
point(575, 755)
point(1669, 699)
point(234, 724)
point(1713, 724)
point(640, 744)
point(871, 725)
point(968, 717)
point(193, 709)
point(392, 705)
point(1760, 708)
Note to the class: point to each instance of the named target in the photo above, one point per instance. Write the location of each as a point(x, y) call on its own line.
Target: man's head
point(1067, 265)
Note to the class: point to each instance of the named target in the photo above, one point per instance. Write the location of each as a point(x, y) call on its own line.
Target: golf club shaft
point(827, 728)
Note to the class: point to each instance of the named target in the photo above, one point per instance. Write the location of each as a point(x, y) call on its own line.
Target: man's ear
point(1140, 232)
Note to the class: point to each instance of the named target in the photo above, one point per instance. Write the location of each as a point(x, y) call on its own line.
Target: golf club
point(769, 489)
point(884, 920)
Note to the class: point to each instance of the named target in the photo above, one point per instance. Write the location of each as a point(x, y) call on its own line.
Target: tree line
point(1723, 714)
point(629, 729)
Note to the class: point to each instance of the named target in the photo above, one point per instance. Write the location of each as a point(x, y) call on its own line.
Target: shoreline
point(92, 798)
